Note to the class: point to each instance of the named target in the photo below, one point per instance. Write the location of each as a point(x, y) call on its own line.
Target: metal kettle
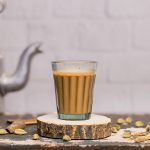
point(2, 5)
point(18, 80)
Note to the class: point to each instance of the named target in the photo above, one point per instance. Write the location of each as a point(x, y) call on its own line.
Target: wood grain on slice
point(96, 127)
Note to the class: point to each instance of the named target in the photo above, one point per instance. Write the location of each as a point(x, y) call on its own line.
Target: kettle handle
point(2, 5)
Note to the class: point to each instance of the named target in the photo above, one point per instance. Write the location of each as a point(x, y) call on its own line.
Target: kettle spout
point(18, 80)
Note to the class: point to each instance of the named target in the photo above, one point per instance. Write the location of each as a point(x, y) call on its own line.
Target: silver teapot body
point(2, 5)
point(17, 80)
point(1, 97)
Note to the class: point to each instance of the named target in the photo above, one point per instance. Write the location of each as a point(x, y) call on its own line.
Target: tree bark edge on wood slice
point(97, 127)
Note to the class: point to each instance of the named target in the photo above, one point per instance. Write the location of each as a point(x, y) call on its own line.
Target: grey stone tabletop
point(114, 142)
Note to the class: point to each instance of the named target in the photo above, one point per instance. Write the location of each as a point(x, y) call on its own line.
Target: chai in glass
point(74, 83)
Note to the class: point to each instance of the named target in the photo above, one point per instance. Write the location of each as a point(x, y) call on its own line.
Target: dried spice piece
point(148, 128)
point(19, 124)
point(117, 126)
point(66, 138)
point(139, 124)
point(20, 132)
point(36, 136)
point(3, 132)
point(9, 121)
point(120, 121)
point(139, 134)
point(114, 129)
point(126, 134)
point(129, 120)
point(142, 138)
point(15, 125)
point(24, 121)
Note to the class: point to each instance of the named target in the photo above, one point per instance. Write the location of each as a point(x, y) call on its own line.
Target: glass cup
point(74, 83)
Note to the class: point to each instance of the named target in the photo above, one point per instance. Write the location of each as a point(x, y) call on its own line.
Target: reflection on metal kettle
point(2, 5)
point(18, 80)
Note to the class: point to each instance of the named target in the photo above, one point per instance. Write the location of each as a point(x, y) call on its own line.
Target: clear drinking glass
point(74, 83)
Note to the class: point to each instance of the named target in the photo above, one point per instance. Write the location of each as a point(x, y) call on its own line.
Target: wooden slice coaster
point(96, 127)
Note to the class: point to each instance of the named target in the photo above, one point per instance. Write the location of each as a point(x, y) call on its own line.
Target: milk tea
point(74, 91)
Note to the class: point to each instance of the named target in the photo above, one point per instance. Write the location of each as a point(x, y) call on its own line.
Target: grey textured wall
point(116, 33)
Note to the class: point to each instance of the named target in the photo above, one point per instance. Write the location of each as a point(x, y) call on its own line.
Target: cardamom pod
point(142, 138)
point(120, 121)
point(36, 136)
point(66, 138)
point(117, 126)
point(129, 120)
point(114, 129)
point(20, 131)
point(127, 131)
point(126, 134)
point(3, 131)
point(148, 128)
point(139, 124)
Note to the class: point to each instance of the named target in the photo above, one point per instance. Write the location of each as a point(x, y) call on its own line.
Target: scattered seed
point(66, 138)
point(139, 124)
point(117, 126)
point(127, 131)
point(126, 134)
point(120, 121)
point(3, 131)
point(114, 129)
point(129, 120)
point(142, 138)
point(20, 131)
point(36, 136)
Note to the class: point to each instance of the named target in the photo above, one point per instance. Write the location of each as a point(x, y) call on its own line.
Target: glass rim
point(73, 61)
